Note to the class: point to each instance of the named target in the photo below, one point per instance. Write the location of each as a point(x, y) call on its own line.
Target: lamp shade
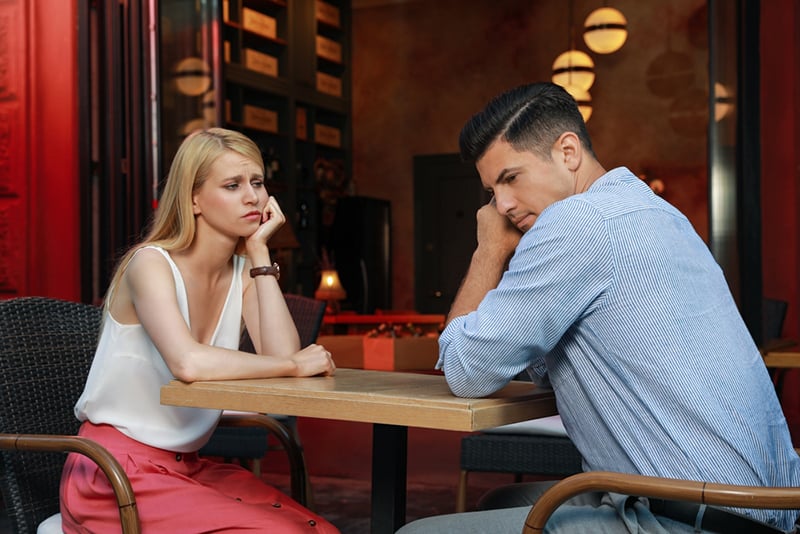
point(583, 99)
point(330, 288)
point(605, 30)
point(574, 67)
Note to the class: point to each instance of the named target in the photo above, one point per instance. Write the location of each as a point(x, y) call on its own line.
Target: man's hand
point(496, 234)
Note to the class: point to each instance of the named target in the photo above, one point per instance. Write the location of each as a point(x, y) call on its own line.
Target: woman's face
point(233, 197)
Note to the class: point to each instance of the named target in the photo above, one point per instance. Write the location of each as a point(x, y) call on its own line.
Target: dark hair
point(530, 117)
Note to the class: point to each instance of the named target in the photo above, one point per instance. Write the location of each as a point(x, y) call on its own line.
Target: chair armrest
point(126, 501)
point(661, 488)
point(297, 462)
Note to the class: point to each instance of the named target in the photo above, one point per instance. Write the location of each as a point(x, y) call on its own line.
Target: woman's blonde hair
point(174, 224)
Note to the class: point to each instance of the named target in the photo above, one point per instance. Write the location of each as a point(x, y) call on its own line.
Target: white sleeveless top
point(123, 388)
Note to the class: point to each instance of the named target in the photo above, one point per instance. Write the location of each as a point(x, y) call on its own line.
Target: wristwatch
point(273, 270)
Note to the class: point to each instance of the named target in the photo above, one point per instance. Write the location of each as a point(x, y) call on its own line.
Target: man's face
point(523, 184)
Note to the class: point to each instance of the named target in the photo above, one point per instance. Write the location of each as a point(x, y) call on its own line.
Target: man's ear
point(569, 150)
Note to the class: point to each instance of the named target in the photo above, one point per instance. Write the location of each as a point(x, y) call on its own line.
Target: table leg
point(389, 469)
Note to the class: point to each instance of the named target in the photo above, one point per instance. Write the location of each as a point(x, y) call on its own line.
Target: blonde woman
point(174, 309)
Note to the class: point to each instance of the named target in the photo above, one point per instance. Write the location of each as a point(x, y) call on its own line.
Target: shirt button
point(239, 499)
point(178, 457)
point(312, 522)
point(276, 504)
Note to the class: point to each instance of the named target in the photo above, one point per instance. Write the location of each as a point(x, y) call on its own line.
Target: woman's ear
point(195, 207)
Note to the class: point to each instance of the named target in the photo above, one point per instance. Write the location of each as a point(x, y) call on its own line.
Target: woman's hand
point(272, 218)
point(314, 360)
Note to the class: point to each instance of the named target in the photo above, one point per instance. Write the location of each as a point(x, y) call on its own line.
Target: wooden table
point(391, 401)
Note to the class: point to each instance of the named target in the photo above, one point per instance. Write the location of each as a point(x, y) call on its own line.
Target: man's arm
point(497, 240)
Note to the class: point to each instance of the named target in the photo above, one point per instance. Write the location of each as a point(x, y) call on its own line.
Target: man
point(596, 286)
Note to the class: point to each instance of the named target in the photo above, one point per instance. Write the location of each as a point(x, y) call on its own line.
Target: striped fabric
point(614, 300)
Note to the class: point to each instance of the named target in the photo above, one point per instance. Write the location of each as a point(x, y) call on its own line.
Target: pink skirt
point(176, 493)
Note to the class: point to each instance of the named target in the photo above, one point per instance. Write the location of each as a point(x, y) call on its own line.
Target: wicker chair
point(251, 444)
point(537, 447)
point(661, 488)
point(46, 350)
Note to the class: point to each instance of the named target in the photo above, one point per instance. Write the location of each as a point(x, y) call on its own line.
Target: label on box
point(260, 118)
point(260, 62)
point(329, 49)
point(329, 84)
point(259, 23)
point(327, 135)
point(301, 124)
point(328, 14)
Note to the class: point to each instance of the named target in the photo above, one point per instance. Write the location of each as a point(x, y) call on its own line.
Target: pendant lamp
point(605, 30)
point(575, 68)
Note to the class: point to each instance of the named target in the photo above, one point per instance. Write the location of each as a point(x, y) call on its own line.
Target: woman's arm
point(149, 288)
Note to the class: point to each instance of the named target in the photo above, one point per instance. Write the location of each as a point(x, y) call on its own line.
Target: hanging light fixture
point(582, 98)
point(574, 67)
point(605, 30)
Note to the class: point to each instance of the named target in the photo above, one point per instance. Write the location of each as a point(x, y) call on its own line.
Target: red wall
point(780, 156)
point(39, 202)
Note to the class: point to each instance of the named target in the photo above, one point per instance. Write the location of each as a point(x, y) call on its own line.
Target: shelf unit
point(285, 82)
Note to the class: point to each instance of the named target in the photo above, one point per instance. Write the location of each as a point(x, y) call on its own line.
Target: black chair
point(520, 449)
point(46, 349)
point(250, 445)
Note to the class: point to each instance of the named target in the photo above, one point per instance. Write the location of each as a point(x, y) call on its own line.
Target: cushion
point(51, 525)
point(544, 426)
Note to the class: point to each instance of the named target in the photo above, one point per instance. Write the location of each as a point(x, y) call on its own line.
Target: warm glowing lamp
point(605, 30)
point(583, 99)
point(574, 67)
point(330, 289)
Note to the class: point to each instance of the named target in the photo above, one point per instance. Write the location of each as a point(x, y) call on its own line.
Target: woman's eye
point(257, 183)
point(231, 186)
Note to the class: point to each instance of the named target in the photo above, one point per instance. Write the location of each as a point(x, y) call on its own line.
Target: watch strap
point(273, 270)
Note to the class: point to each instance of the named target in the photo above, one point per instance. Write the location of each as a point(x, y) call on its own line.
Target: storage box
point(259, 23)
point(347, 351)
point(260, 118)
point(328, 135)
point(329, 49)
point(260, 62)
point(301, 124)
point(329, 84)
point(328, 14)
point(401, 353)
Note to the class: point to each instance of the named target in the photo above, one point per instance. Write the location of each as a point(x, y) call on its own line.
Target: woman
point(174, 310)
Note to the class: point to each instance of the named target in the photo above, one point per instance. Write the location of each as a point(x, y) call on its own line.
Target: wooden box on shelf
point(259, 23)
point(301, 124)
point(328, 135)
point(329, 84)
point(328, 13)
point(260, 118)
point(260, 62)
point(329, 49)
point(401, 353)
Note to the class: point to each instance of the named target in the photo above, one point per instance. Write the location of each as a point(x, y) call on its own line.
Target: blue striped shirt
point(614, 300)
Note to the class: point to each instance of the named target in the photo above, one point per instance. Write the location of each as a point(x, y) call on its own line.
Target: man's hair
point(530, 117)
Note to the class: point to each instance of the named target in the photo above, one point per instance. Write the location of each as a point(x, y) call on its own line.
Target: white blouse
point(123, 388)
